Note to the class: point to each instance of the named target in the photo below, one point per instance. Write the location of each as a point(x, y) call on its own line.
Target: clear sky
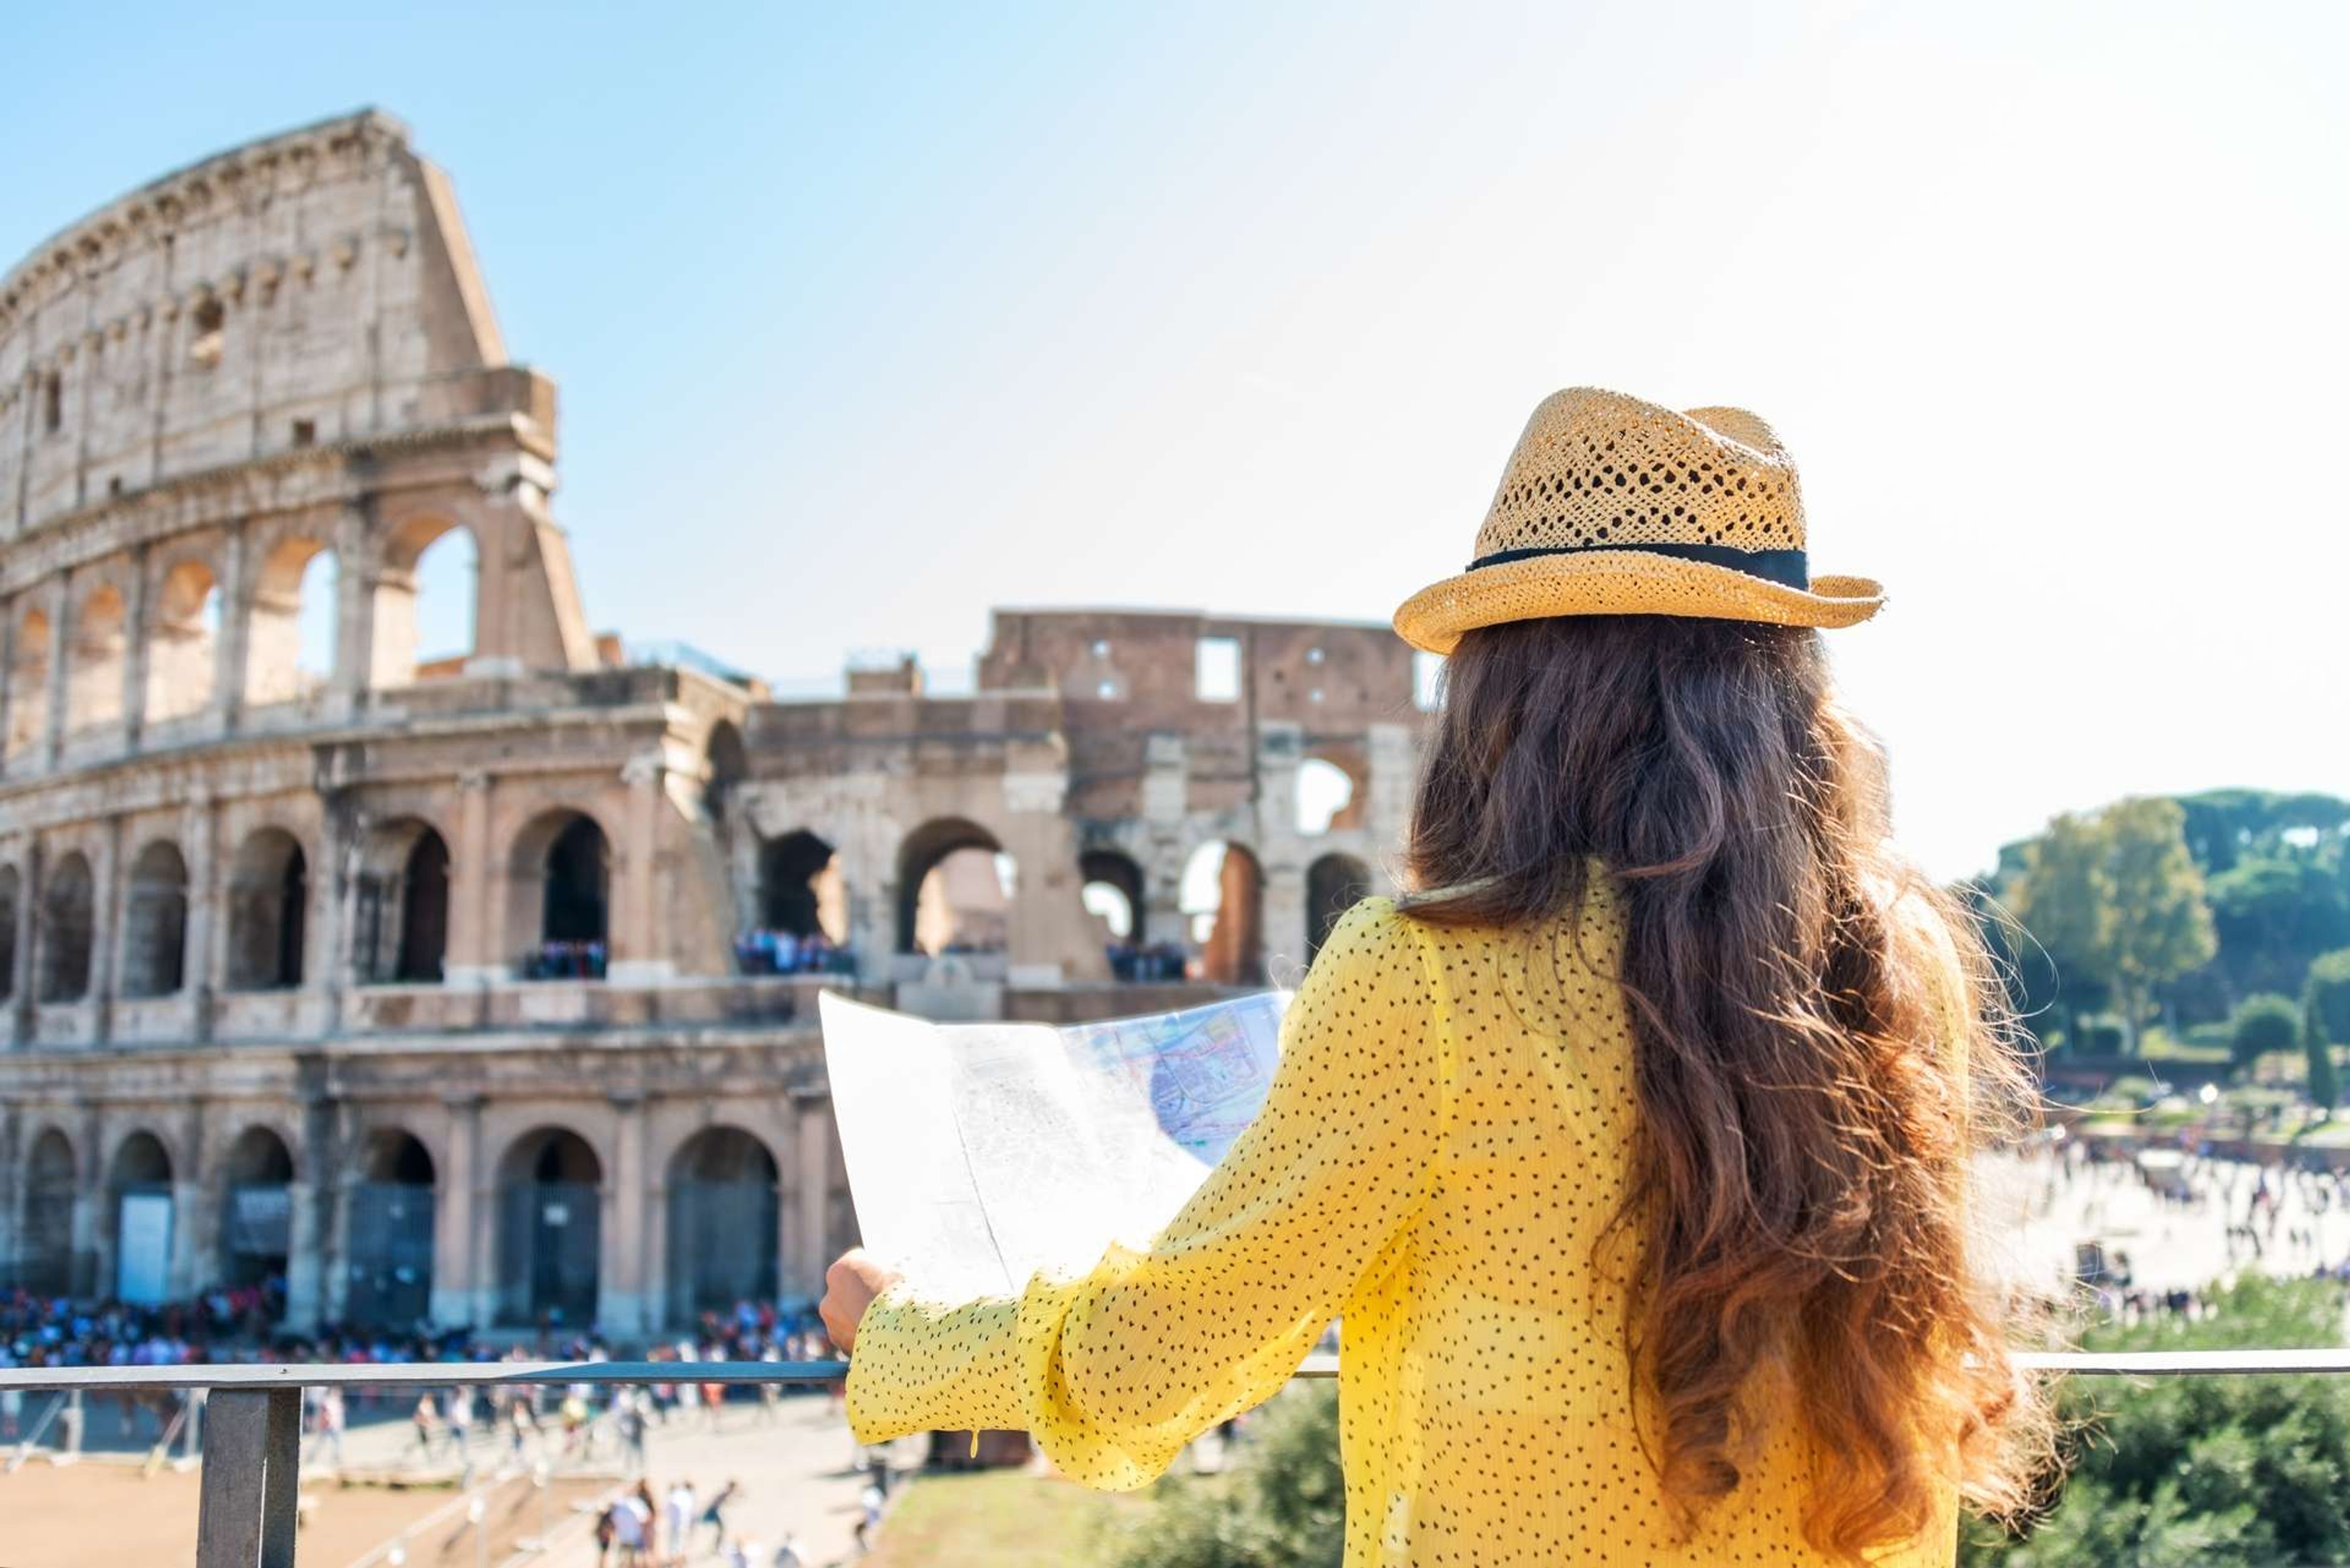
point(867, 318)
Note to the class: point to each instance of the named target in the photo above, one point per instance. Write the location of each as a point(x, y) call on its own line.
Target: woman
point(1630, 1145)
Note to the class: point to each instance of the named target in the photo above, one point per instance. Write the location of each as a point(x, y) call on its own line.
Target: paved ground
point(2038, 1211)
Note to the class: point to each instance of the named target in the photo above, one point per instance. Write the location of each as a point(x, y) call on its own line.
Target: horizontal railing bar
point(492, 1373)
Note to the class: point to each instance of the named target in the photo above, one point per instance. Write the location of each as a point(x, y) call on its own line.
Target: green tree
point(2263, 1023)
point(2161, 926)
point(2064, 898)
point(2225, 1471)
point(2329, 995)
point(1282, 1505)
point(2326, 1022)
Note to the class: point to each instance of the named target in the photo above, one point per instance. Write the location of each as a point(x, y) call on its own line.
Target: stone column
point(60, 644)
point(309, 1196)
point(621, 1305)
point(93, 1225)
point(637, 955)
point(110, 904)
point(813, 1139)
point(12, 1193)
point(460, 1293)
point(355, 574)
point(136, 635)
point(236, 631)
point(474, 956)
point(23, 1012)
point(195, 1212)
point(9, 614)
point(207, 949)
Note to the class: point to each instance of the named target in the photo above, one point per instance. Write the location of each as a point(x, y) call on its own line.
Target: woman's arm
point(1115, 1372)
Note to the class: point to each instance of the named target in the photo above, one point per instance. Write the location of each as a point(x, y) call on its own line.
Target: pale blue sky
point(869, 318)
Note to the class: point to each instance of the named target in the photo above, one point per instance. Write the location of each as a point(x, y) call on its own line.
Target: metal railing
point(253, 1413)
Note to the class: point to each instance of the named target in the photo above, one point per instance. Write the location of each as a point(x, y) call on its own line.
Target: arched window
point(28, 685)
point(290, 631)
point(51, 1184)
point(723, 1208)
point(401, 915)
point(389, 1221)
point(269, 912)
point(1222, 899)
point(207, 333)
point(425, 595)
point(560, 915)
point(257, 1217)
point(94, 670)
point(955, 886)
point(140, 1216)
point(550, 1229)
point(69, 915)
point(155, 934)
point(180, 645)
point(1330, 795)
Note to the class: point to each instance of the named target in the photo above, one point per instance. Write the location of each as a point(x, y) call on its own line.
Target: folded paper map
point(979, 1152)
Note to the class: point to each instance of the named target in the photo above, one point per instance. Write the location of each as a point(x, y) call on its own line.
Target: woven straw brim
point(1623, 582)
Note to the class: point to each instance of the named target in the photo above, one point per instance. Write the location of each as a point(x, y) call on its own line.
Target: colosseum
point(478, 987)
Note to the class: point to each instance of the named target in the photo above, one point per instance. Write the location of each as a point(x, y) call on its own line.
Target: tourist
point(869, 1516)
point(1632, 1137)
point(787, 1555)
point(427, 1421)
point(678, 1516)
point(714, 1512)
point(629, 1419)
point(632, 1519)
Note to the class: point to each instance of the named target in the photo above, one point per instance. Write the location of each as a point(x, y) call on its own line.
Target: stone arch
point(141, 1217)
point(1111, 888)
point(942, 906)
point(726, 763)
point(182, 639)
point(1334, 789)
point(550, 1229)
point(400, 908)
point(50, 1183)
point(269, 912)
point(389, 1217)
point(724, 1196)
point(296, 569)
point(12, 885)
point(155, 921)
point(1222, 899)
point(28, 684)
point(1333, 885)
point(428, 560)
point(67, 930)
point(559, 909)
point(94, 661)
point(257, 1214)
point(800, 887)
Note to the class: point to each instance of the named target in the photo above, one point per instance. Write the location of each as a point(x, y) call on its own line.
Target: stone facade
point(419, 983)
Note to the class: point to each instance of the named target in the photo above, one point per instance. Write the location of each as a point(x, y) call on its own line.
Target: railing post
point(244, 1516)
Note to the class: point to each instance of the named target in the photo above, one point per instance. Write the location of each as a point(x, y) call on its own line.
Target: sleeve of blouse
point(1113, 1372)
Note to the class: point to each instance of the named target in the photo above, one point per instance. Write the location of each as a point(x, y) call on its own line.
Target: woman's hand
point(849, 1287)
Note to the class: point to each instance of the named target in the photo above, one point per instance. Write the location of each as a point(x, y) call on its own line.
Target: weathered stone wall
point(253, 920)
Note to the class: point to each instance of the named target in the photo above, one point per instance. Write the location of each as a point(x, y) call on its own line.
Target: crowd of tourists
point(765, 950)
point(565, 960)
point(1135, 961)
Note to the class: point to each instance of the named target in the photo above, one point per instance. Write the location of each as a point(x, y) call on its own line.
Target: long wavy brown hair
point(1820, 1046)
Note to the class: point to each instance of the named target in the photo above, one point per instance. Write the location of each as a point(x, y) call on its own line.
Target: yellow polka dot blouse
point(1441, 1145)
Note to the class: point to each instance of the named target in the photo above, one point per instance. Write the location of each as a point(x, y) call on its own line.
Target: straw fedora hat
point(1613, 507)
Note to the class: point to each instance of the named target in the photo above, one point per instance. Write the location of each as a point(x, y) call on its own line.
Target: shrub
point(2327, 995)
point(2262, 1023)
point(2229, 1471)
